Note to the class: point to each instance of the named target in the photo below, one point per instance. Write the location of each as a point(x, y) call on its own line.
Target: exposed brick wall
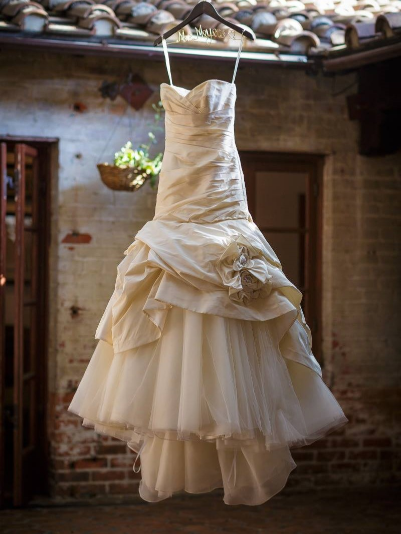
point(277, 110)
point(86, 464)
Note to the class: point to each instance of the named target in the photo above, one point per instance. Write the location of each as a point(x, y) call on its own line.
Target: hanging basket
point(122, 178)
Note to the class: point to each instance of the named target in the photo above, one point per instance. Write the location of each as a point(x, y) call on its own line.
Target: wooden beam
point(147, 51)
point(356, 60)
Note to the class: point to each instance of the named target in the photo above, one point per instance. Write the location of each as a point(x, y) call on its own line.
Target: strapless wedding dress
point(204, 363)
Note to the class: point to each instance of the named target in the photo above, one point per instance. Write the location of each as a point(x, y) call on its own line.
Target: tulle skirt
point(214, 402)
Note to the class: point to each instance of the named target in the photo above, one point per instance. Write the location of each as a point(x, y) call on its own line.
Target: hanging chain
point(113, 132)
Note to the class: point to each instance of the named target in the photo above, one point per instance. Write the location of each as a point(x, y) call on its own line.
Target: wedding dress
point(204, 362)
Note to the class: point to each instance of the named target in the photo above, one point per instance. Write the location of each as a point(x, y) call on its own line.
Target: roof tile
point(291, 26)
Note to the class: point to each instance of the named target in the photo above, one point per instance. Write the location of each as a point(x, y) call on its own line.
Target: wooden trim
point(35, 141)
point(19, 177)
point(358, 59)
point(44, 224)
point(303, 237)
point(3, 262)
point(147, 51)
point(318, 194)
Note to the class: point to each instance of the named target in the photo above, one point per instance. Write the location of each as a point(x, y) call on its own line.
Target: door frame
point(44, 148)
point(313, 166)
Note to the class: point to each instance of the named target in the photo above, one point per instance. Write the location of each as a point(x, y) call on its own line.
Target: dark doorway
point(24, 266)
point(285, 199)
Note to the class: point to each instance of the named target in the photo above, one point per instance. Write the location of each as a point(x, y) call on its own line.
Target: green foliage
point(147, 167)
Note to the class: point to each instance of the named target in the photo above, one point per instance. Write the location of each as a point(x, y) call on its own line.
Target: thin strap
point(239, 53)
point(167, 59)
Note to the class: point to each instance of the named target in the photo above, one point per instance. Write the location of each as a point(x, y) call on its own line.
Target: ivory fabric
point(204, 363)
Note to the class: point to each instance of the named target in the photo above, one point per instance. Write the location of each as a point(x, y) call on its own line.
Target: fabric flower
point(243, 268)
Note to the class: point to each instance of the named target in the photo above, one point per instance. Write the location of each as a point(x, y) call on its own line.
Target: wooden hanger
point(203, 8)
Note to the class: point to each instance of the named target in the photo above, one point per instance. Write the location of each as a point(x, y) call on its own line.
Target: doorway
point(24, 266)
point(285, 199)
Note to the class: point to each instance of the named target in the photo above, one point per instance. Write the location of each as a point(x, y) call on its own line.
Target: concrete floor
point(373, 511)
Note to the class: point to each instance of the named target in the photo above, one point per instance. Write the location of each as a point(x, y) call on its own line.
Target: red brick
point(326, 480)
point(321, 444)
point(60, 464)
point(123, 461)
point(112, 474)
point(73, 437)
point(302, 456)
point(388, 454)
point(89, 463)
point(72, 476)
point(298, 482)
point(61, 424)
point(120, 488)
point(115, 448)
point(377, 442)
point(66, 398)
point(330, 455)
point(344, 443)
point(385, 465)
point(131, 475)
point(351, 467)
point(362, 455)
point(72, 450)
point(311, 468)
point(77, 238)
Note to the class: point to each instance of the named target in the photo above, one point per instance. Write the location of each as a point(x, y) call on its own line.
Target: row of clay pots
point(88, 16)
point(283, 22)
point(385, 26)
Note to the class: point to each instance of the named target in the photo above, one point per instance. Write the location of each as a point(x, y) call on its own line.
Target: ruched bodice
point(201, 178)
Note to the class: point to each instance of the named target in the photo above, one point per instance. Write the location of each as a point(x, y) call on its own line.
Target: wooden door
point(284, 196)
point(23, 318)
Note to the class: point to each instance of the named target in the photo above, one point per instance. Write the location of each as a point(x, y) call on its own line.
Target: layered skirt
point(210, 391)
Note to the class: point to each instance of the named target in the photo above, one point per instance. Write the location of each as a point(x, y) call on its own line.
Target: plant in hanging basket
point(132, 168)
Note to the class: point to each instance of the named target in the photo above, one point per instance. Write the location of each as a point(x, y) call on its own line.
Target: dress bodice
point(201, 179)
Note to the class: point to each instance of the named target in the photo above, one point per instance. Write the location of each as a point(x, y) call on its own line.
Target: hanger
point(203, 8)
